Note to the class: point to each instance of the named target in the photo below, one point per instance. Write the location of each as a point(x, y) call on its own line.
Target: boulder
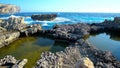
point(8, 37)
point(81, 29)
point(20, 63)
point(8, 8)
point(13, 23)
point(116, 20)
point(12, 62)
point(31, 30)
point(2, 29)
point(85, 63)
point(44, 17)
point(8, 60)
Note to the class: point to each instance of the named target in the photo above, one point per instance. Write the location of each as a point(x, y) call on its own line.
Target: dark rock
point(116, 20)
point(44, 17)
point(80, 28)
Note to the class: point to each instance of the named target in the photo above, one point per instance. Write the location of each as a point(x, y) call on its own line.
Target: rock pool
point(31, 48)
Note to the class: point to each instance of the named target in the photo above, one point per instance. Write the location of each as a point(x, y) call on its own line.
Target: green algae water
point(31, 48)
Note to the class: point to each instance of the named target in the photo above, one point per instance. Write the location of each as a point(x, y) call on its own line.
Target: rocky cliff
point(8, 8)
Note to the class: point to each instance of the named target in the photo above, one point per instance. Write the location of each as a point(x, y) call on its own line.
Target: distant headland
point(8, 8)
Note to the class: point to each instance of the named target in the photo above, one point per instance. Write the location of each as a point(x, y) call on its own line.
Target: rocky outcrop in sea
point(107, 25)
point(44, 17)
point(8, 8)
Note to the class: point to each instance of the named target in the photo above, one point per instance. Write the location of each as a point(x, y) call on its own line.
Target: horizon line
point(63, 12)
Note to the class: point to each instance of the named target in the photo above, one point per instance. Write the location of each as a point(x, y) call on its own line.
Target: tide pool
point(106, 42)
point(31, 48)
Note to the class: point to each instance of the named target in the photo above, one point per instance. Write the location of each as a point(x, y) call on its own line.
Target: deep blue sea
point(102, 41)
point(66, 18)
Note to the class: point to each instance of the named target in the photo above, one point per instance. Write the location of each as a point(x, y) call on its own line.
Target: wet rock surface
point(44, 17)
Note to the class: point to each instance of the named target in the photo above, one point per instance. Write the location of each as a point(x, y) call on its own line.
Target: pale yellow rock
point(85, 63)
point(20, 64)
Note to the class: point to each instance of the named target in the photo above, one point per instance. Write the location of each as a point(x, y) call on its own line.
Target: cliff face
point(8, 8)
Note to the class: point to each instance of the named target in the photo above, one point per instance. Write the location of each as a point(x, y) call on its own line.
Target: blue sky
point(66, 5)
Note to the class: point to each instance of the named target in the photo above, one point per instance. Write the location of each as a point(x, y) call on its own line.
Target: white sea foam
point(61, 19)
point(57, 20)
point(4, 17)
point(44, 24)
point(12, 16)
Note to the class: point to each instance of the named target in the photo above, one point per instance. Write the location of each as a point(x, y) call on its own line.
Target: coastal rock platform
point(79, 53)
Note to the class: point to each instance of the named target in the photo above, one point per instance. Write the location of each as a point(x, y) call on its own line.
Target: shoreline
point(73, 33)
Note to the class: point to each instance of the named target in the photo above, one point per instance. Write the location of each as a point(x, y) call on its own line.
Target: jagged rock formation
point(8, 37)
point(31, 30)
point(44, 17)
point(116, 20)
point(7, 8)
point(14, 27)
point(13, 23)
point(12, 62)
point(80, 53)
point(70, 58)
point(7, 60)
point(69, 33)
point(2, 29)
point(20, 63)
point(101, 59)
point(107, 25)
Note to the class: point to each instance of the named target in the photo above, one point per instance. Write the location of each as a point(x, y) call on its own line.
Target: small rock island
point(44, 17)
